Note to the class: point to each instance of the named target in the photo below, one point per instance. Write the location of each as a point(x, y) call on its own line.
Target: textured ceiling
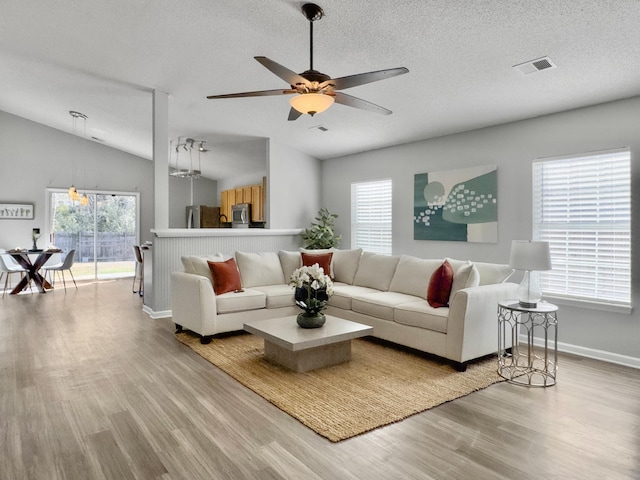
point(103, 58)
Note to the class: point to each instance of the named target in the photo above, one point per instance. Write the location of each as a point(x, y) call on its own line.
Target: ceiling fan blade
point(354, 102)
point(294, 114)
point(260, 93)
point(289, 76)
point(362, 78)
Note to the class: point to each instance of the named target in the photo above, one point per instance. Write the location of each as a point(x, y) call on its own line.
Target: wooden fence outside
point(109, 247)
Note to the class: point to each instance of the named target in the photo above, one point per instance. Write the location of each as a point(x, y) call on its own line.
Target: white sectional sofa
point(385, 292)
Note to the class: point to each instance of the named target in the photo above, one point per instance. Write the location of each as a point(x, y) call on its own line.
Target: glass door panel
point(116, 235)
point(102, 233)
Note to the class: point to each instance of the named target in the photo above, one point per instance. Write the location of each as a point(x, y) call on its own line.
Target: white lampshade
point(311, 103)
point(531, 257)
point(527, 255)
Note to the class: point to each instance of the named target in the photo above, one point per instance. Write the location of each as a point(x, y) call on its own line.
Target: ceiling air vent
point(319, 127)
point(533, 66)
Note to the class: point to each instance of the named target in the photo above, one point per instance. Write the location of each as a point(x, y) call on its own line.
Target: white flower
point(313, 280)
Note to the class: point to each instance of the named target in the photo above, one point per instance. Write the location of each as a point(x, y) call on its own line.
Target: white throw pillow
point(289, 261)
point(259, 269)
point(344, 264)
point(491, 273)
point(465, 277)
point(376, 271)
point(457, 264)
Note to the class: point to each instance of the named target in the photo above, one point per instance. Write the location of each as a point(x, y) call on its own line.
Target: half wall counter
point(171, 244)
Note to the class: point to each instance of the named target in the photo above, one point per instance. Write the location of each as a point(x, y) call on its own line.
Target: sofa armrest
point(472, 329)
point(193, 303)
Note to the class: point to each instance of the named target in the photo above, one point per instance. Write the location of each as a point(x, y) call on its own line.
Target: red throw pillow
point(440, 286)
point(226, 277)
point(322, 259)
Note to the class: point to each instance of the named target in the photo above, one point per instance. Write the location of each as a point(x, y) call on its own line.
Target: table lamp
point(530, 257)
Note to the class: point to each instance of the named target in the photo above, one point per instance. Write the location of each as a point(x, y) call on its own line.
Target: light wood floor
point(92, 388)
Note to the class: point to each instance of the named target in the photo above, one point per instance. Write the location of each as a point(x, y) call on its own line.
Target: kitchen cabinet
point(246, 194)
point(257, 203)
point(252, 194)
point(227, 200)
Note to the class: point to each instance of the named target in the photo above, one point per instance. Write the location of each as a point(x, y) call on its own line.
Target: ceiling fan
point(315, 91)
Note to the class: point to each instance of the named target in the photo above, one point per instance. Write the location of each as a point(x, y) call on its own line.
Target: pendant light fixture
point(73, 191)
point(187, 145)
point(84, 200)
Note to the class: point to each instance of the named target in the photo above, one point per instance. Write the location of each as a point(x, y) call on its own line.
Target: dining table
point(24, 259)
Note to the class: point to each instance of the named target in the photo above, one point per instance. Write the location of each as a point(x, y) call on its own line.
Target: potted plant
point(312, 291)
point(322, 234)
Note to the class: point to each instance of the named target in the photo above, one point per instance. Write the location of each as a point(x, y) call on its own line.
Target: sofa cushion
point(380, 304)
point(466, 276)
point(457, 264)
point(491, 273)
point(343, 293)
point(440, 286)
point(248, 299)
point(421, 314)
point(259, 269)
point(198, 265)
point(345, 264)
point(412, 275)
point(289, 261)
point(376, 271)
point(225, 276)
point(322, 259)
point(277, 295)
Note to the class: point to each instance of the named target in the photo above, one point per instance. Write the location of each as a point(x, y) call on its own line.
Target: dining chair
point(9, 266)
point(139, 271)
point(66, 264)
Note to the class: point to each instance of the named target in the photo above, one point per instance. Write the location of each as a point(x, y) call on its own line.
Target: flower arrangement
point(313, 288)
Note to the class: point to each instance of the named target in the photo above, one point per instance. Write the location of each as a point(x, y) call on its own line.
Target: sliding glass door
point(102, 233)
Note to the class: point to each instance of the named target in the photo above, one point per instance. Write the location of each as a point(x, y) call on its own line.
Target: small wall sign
point(16, 211)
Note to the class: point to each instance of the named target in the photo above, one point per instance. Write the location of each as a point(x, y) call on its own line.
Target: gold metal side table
point(526, 364)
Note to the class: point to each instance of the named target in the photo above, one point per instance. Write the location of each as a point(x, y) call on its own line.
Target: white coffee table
point(304, 349)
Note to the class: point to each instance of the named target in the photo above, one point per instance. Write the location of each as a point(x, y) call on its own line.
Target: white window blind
point(582, 207)
point(371, 216)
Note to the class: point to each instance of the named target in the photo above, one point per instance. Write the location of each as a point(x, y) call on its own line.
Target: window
point(371, 216)
point(582, 207)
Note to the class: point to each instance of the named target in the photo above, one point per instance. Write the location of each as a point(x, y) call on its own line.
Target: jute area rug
point(380, 385)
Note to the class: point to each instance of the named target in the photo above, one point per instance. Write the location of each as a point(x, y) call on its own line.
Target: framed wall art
point(16, 211)
point(456, 205)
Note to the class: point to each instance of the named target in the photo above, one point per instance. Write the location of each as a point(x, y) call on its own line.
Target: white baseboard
point(153, 314)
point(590, 353)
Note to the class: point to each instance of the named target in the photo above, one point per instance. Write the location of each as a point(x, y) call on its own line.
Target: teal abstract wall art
point(456, 205)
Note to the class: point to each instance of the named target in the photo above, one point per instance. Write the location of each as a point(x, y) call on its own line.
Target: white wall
point(511, 147)
point(250, 157)
point(205, 192)
point(34, 157)
point(293, 188)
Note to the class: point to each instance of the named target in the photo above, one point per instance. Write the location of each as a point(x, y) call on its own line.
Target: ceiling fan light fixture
point(311, 103)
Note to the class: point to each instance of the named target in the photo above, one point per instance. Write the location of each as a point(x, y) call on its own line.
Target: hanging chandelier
point(74, 195)
point(187, 145)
